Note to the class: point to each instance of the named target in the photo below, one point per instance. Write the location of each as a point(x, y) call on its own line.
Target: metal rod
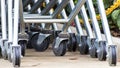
point(77, 22)
point(104, 22)
point(26, 2)
point(86, 21)
point(48, 7)
point(64, 15)
point(34, 16)
point(50, 12)
point(3, 20)
point(16, 21)
point(45, 20)
point(10, 21)
point(60, 8)
point(36, 6)
point(72, 15)
point(94, 20)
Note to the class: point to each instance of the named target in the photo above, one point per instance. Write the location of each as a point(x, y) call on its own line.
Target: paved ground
point(48, 60)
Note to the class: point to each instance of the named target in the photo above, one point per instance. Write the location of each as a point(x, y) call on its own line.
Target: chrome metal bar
point(65, 16)
point(34, 16)
point(50, 12)
point(48, 7)
point(3, 20)
point(36, 6)
point(16, 21)
point(10, 21)
point(72, 15)
point(86, 21)
point(104, 22)
point(45, 20)
point(60, 8)
point(94, 20)
point(77, 22)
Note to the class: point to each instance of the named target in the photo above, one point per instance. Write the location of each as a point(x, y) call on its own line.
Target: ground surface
point(47, 59)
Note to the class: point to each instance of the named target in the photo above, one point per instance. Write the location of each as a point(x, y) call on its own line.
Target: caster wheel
point(102, 51)
point(61, 49)
point(84, 48)
point(16, 57)
point(112, 56)
point(93, 49)
point(23, 47)
point(9, 52)
point(0, 52)
point(40, 46)
point(29, 46)
point(9, 57)
point(4, 54)
point(72, 43)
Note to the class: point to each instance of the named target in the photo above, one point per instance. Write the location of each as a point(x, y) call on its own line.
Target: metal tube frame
point(94, 20)
point(104, 22)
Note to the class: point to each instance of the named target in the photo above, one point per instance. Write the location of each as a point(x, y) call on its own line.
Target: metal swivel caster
point(59, 46)
point(112, 58)
point(83, 47)
point(16, 59)
point(102, 51)
point(23, 44)
point(72, 42)
point(93, 49)
point(40, 42)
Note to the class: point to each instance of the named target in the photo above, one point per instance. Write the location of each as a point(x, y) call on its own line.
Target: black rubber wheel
point(102, 51)
point(72, 43)
point(4, 54)
point(61, 49)
point(93, 49)
point(9, 54)
point(23, 47)
point(40, 46)
point(9, 57)
point(0, 52)
point(84, 48)
point(16, 57)
point(31, 34)
point(112, 56)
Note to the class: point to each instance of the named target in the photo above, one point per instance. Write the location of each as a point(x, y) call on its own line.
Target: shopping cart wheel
point(59, 49)
point(4, 53)
point(93, 49)
point(83, 47)
point(72, 43)
point(9, 57)
point(112, 55)
point(102, 51)
point(9, 52)
point(29, 46)
point(0, 52)
point(23, 44)
point(16, 56)
point(38, 45)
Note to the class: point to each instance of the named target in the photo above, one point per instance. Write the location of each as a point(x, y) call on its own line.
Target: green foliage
point(116, 17)
point(113, 18)
point(118, 21)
